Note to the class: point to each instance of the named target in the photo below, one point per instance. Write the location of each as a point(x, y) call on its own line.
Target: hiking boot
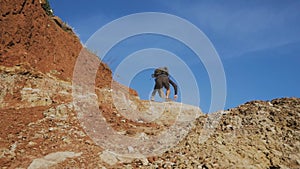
point(168, 99)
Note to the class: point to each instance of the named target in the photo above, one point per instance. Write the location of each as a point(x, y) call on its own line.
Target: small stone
point(108, 157)
point(130, 149)
point(89, 142)
point(152, 159)
point(52, 159)
point(31, 143)
point(145, 161)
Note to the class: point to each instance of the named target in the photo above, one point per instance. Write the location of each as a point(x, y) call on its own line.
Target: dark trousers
point(160, 82)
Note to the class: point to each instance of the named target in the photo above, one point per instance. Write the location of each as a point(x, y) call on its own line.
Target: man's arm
point(174, 86)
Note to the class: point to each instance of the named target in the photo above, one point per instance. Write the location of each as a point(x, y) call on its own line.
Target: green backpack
point(160, 71)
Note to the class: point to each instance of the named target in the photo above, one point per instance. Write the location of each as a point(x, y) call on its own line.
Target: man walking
point(162, 80)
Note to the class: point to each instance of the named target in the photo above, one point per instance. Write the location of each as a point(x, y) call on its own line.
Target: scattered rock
point(52, 159)
point(130, 149)
point(145, 161)
point(108, 158)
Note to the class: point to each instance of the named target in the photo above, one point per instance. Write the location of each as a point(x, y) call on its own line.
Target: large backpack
point(160, 71)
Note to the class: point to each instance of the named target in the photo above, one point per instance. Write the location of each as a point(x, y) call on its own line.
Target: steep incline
point(30, 37)
point(39, 118)
point(37, 58)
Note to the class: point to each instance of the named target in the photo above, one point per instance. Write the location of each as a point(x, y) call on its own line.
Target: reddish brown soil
point(33, 41)
point(29, 35)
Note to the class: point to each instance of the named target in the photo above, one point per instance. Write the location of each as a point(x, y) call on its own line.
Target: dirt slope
point(30, 37)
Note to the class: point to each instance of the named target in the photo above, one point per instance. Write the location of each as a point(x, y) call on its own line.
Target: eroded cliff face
point(30, 37)
point(42, 125)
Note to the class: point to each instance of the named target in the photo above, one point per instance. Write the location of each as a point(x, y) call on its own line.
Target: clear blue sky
point(258, 42)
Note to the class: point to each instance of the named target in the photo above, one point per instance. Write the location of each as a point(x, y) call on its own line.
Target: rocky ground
point(40, 125)
point(40, 128)
point(257, 134)
point(45, 124)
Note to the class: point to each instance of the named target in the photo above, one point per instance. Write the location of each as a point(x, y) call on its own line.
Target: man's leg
point(158, 88)
point(161, 93)
point(168, 93)
point(153, 94)
point(165, 83)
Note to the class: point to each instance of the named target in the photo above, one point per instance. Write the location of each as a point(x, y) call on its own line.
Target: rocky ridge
point(257, 134)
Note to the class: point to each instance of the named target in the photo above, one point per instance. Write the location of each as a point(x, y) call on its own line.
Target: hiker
point(162, 79)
